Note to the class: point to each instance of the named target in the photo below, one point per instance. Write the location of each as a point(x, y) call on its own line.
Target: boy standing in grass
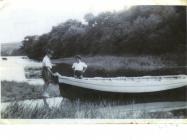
point(47, 72)
point(79, 67)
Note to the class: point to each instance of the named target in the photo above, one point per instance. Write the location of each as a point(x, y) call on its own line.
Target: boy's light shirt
point(46, 62)
point(79, 66)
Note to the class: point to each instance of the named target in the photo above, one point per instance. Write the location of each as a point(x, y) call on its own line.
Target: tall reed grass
point(79, 110)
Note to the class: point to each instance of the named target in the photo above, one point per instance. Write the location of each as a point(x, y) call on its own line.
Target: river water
point(12, 68)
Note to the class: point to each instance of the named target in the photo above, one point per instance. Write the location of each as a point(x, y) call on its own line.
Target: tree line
point(140, 30)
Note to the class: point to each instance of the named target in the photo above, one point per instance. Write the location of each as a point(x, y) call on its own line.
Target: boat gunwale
point(127, 78)
point(82, 81)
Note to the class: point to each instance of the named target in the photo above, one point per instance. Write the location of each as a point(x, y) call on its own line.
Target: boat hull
point(137, 88)
point(74, 93)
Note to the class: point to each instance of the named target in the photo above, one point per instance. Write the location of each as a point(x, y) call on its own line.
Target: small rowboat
point(121, 85)
point(4, 58)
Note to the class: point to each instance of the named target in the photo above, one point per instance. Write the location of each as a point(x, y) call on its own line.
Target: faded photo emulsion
point(95, 61)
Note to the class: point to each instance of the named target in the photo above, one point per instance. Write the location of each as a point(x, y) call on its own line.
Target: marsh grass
point(114, 66)
point(81, 110)
point(112, 63)
point(64, 110)
point(16, 91)
point(146, 62)
point(12, 91)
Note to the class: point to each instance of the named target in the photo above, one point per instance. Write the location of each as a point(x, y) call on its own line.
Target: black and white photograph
point(92, 59)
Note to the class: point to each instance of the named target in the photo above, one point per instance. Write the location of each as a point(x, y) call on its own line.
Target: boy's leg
point(46, 104)
point(45, 94)
point(81, 74)
point(76, 74)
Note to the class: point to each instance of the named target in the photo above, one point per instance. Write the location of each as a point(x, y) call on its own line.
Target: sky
point(19, 18)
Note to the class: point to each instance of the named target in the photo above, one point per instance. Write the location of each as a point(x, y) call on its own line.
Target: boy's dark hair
point(48, 51)
point(78, 56)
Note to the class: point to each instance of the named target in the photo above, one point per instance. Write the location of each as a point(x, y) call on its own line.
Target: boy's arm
point(54, 74)
point(49, 70)
point(73, 66)
point(85, 67)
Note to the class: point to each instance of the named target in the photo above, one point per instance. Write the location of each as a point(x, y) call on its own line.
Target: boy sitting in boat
point(79, 67)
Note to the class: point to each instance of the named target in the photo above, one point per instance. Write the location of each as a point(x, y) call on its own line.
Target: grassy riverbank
point(85, 110)
point(16, 91)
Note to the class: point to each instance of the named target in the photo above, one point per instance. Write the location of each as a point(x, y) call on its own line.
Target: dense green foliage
point(139, 30)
